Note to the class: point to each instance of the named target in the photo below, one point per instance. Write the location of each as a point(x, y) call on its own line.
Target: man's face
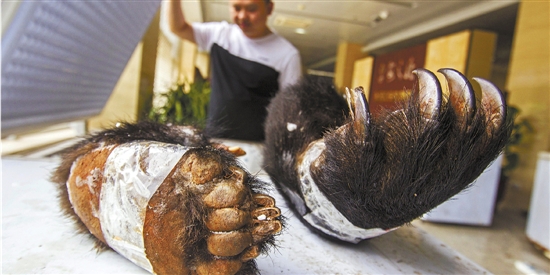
point(251, 16)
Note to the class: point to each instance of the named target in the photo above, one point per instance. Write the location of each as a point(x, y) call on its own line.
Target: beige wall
point(188, 57)
point(123, 102)
point(132, 96)
point(166, 71)
point(529, 84)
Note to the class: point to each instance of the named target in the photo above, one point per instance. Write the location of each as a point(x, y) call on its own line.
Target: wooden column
point(528, 84)
point(362, 74)
point(470, 52)
point(346, 56)
point(148, 66)
point(187, 61)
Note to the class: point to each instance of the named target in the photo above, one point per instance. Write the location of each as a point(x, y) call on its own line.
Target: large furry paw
point(357, 176)
point(170, 208)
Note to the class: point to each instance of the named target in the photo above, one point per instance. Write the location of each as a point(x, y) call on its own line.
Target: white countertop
point(36, 238)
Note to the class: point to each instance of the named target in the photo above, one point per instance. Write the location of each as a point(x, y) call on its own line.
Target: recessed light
point(300, 31)
point(383, 14)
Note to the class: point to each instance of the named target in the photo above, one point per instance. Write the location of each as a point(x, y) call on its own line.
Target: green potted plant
point(184, 103)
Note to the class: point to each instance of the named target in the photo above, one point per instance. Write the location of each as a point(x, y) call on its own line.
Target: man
point(249, 63)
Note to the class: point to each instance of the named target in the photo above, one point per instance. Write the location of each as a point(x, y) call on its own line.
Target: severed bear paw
point(353, 176)
point(168, 200)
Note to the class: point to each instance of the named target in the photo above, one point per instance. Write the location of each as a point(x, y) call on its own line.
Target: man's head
point(251, 16)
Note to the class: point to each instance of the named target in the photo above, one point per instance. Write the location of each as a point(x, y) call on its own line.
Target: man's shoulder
point(221, 33)
point(221, 26)
point(284, 44)
point(287, 43)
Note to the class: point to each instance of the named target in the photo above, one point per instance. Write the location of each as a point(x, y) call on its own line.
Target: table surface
point(37, 238)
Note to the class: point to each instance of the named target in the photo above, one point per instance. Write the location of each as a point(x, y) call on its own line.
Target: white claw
point(461, 95)
point(362, 112)
point(429, 93)
point(359, 109)
point(492, 101)
point(350, 98)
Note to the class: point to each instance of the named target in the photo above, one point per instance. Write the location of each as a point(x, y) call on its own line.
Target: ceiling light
point(383, 14)
point(292, 22)
point(300, 31)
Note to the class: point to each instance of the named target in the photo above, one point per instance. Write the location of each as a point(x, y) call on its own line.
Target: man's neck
point(262, 34)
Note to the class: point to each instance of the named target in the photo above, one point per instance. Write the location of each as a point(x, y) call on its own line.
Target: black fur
point(313, 113)
point(398, 168)
point(148, 130)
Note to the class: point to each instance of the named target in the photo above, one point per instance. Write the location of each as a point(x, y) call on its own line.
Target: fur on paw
point(169, 208)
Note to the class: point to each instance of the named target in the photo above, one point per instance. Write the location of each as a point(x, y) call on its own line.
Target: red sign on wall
point(392, 77)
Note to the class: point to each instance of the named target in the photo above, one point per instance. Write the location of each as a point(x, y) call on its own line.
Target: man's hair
point(267, 1)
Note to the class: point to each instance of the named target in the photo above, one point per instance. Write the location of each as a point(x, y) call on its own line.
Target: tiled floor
point(499, 247)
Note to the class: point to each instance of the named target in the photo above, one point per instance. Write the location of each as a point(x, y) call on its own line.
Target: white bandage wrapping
point(324, 216)
point(133, 172)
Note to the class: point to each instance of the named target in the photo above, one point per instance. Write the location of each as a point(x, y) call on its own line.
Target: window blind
point(62, 59)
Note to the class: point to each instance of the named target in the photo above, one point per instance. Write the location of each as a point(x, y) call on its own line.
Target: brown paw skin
point(170, 208)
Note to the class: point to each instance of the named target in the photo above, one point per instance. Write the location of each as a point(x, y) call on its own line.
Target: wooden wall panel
point(362, 74)
point(528, 84)
point(450, 51)
point(470, 52)
point(481, 54)
point(346, 56)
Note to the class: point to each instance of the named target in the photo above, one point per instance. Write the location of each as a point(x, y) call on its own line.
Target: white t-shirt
point(246, 74)
point(272, 50)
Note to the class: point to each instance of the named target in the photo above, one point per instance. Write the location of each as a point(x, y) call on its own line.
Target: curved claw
point(359, 108)
point(350, 98)
point(461, 95)
point(362, 113)
point(263, 227)
point(263, 200)
point(492, 101)
point(266, 213)
point(429, 93)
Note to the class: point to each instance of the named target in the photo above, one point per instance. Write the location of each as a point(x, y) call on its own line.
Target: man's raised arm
point(177, 22)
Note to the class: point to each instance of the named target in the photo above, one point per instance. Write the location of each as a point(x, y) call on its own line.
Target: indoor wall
point(528, 84)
